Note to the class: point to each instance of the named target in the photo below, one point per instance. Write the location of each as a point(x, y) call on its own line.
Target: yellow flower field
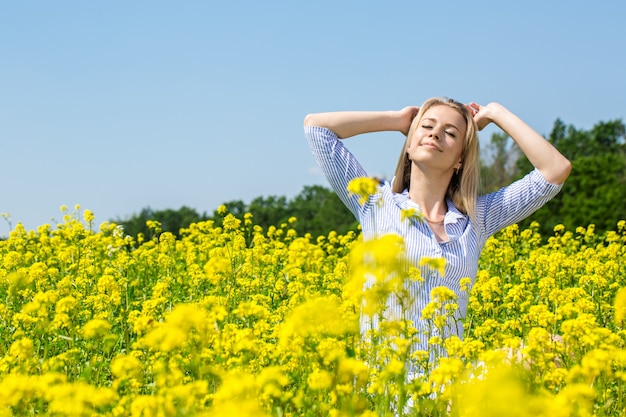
point(241, 321)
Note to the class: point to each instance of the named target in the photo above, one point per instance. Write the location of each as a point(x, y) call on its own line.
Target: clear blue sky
point(121, 105)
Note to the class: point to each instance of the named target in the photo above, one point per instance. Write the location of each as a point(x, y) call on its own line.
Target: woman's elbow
point(310, 119)
point(561, 171)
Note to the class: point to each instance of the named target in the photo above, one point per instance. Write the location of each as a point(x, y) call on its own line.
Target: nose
point(436, 133)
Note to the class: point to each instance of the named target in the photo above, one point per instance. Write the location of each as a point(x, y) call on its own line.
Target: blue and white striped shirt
point(494, 211)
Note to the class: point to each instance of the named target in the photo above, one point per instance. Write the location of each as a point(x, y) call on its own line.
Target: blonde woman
point(437, 174)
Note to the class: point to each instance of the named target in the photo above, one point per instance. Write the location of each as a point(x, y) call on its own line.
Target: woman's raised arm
point(554, 167)
point(351, 123)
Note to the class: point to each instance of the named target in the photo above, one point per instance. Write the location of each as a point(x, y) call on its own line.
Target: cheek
point(412, 143)
point(457, 146)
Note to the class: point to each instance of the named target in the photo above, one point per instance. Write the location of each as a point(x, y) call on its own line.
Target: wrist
point(403, 119)
point(399, 121)
point(496, 112)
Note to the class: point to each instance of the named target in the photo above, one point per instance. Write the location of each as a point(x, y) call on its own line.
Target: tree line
point(317, 210)
point(595, 192)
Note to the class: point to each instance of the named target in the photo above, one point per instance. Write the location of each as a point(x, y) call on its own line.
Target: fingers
point(412, 110)
point(473, 108)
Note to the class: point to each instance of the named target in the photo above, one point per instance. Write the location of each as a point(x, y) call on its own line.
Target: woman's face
point(437, 141)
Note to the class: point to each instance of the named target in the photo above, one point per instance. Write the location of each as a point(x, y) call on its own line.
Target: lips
point(431, 145)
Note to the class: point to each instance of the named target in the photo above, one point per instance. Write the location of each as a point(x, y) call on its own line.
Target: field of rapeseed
point(240, 321)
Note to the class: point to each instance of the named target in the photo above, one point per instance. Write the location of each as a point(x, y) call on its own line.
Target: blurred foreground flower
point(363, 187)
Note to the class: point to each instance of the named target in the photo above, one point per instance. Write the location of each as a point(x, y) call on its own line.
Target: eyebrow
point(447, 124)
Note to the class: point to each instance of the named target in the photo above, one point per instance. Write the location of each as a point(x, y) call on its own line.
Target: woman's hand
point(407, 115)
point(483, 115)
point(554, 167)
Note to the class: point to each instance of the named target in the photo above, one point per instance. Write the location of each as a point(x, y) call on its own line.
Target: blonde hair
point(463, 187)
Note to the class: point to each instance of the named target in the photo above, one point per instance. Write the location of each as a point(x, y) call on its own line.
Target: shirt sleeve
point(514, 202)
point(337, 162)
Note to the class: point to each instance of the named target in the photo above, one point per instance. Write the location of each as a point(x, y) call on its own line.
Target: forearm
point(351, 123)
point(554, 167)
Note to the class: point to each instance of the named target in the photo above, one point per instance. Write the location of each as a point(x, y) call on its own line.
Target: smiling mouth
point(431, 146)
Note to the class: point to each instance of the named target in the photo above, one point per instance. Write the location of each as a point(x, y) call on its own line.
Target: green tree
point(136, 223)
point(595, 191)
point(171, 221)
point(270, 211)
point(498, 168)
point(319, 211)
point(235, 207)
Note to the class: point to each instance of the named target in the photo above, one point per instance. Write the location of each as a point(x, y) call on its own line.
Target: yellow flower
point(78, 398)
point(15, 389)
point(12, 259)
point(222, 210)
point(231, 223)
point(185, 324)
point(620, 306)
point(351, 369)
point(238, 395)
point(18, 280)
point(442, 294)
point(88, 216)
point(496, 392)
point(96, 328)
point(363, 187)
point(465, 284)
point(381, 257)
point(331, 350)
point(150, 405)
point(411, 213)
point(448, 371)
point(22, 348)
point(154, 225)
point(393, 369)
point(438, 264)
point(318, 316)
point(66, 304)
point(273, 381)
point(319, 379)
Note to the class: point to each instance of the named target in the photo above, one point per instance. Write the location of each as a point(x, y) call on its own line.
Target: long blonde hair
point(463, 187)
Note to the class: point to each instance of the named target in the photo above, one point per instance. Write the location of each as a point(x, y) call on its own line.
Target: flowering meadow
point(240, 321)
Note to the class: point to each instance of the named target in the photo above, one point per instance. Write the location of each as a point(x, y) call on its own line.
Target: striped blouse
point(466, 239)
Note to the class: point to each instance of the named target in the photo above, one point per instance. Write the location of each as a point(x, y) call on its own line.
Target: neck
point(433, 207)
point(429, 192)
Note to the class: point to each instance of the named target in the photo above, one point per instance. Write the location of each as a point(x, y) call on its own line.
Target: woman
point(437, 174)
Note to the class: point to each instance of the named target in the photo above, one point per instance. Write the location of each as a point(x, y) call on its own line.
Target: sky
point(118, 106)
